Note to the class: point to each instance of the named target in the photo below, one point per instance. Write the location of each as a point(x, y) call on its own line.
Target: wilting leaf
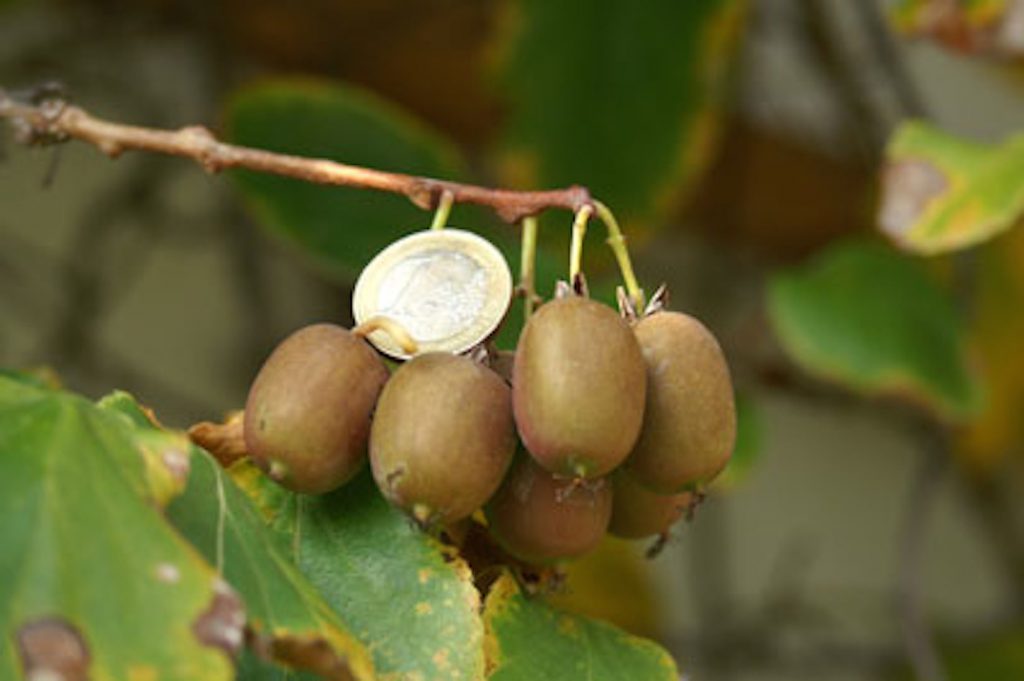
point(874, 321)
point(88, 566)
point(989, 27)
point(617, 96)
point(409, 599)
point(940, 193)
point(528, 639)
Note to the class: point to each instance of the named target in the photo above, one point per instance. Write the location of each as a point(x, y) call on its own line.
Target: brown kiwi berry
point(442, 437)
point(307, 418)
point(638, 512)
point(690, 421)
point(541, 519)
point(578, 387)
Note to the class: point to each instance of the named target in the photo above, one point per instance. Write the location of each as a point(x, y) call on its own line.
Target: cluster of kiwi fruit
point(601, 421)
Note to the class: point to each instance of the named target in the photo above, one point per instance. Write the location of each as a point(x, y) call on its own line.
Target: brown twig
point(53, 120)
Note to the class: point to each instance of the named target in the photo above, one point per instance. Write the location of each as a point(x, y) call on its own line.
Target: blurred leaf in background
point(940, 193)
point(996, 334)
point(621, 97)
point(749, 433)
point(874, 321)
point(993, 657)
point(989, 27)
point(632, 605)
point(341, 228)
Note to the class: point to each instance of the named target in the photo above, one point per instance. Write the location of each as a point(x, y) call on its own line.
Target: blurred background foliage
point(865, 274)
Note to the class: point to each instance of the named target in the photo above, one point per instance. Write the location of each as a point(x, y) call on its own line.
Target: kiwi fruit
point(578, 386)
point(442, 437)
point(307, 417)
point(541, 519)
point(689, 425)
point(638, 512)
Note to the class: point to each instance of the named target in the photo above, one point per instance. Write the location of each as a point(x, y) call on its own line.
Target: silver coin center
point(434, 294)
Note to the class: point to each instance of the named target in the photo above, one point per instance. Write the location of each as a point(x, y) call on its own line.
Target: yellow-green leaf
point(528, 639)
point(987, 27)
point(941, 193)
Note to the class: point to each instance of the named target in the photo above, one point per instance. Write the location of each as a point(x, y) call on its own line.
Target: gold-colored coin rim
point(482, 251)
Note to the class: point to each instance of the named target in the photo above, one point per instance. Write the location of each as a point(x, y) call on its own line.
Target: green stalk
point(444, 209)
point(579, 230)
point(617, 242)
point(526, 265)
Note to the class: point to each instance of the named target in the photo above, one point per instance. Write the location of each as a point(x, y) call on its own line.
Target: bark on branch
point(52, 120)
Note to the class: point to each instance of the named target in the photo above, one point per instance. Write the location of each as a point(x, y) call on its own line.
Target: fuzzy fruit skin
point(690, 423)
point(578, 387)
point(307, 418)
point(638, 512)
point(442, 437)
point(541, 519)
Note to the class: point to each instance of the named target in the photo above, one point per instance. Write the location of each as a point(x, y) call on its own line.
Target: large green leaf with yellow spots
point(408, 597)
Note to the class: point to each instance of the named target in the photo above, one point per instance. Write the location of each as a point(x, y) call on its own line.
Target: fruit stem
point(617, 242)
point(527, 260)
point(444, 209)
point(579, 230)
point(398, 333)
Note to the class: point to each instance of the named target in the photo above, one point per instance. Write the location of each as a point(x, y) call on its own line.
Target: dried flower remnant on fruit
point(541, 519)
point(226, 441)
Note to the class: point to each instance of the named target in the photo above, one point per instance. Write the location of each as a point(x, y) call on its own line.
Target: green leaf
point(874, 321)
point(999, 656)
point(284, 612)
point(87, 562)
point(284, 609)
point(617, 96)
point(341, 227)
point(411, 600)
point(940, 193)
point(528, 639)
